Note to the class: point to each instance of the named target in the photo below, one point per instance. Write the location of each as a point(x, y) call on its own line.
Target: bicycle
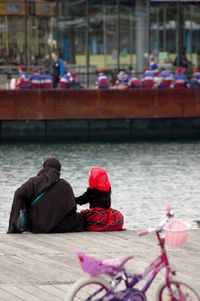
point(96, 288)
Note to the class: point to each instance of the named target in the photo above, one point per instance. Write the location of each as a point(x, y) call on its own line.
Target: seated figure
point(66, 81)
point(102, 81)
point(100, 216)
point(180, 78)
point(22, 82)
point(45, 204)
point(134, 82)
point(148, 79)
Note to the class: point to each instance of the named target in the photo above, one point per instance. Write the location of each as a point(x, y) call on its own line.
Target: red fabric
point(63, 85)
point(98, 179)
point(180, 70)
point(103, 82)
point(23, 83)
point(180, 85)
point(136, 83)
point(148, 83)
point(46, 86)
point(34, 86)
point(99, 219)
point(167, 83)
point(196, 70)
point(21, 67)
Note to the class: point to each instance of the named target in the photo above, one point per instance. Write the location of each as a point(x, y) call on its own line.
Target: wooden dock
point(42, 267)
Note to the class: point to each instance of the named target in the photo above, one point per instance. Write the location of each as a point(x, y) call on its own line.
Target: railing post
point(118, 35)
point(26, 33)
point(87, 42)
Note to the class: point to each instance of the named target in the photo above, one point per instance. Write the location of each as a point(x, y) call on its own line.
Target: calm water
point(144, 176)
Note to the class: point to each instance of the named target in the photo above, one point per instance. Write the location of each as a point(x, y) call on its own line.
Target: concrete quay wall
point(95, 115)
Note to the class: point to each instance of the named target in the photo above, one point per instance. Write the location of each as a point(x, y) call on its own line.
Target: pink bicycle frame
point(154, 268)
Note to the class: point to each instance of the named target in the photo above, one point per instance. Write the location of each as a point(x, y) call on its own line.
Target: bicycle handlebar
point(169, 214)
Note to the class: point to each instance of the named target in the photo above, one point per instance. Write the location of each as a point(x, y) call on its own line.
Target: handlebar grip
point(168, 209)
point(143, 233)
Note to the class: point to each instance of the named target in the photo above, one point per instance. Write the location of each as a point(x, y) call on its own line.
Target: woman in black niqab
point(48, 201)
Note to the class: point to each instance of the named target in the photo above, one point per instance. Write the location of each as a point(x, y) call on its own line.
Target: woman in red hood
point(100, 216)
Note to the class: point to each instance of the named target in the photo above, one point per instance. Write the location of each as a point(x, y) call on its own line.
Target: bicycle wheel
point(91, 288)
point(181, 292)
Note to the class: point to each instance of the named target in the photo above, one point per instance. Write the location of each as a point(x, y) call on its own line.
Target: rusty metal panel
point(98, 104)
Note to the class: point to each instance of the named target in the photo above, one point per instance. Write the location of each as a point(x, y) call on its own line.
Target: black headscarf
point(53, 163)
point(47, 176)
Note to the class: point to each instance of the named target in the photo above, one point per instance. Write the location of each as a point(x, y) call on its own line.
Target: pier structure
point(42, 267)
point(96, 115)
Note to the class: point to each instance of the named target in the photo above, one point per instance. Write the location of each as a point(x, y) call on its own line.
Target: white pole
point(141, 34)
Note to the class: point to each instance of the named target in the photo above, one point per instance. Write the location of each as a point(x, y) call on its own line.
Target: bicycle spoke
point(91, 293)
point(180, 291)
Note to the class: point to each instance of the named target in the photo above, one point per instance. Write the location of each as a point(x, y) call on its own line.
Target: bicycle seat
point(95, 267)
point(118, 262)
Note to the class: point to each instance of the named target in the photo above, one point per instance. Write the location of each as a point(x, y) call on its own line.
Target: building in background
point(94, 34)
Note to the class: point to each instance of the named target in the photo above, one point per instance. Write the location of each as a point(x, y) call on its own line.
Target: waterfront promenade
point(42, 267)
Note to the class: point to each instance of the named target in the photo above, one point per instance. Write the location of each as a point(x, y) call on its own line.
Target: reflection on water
point(144, 176)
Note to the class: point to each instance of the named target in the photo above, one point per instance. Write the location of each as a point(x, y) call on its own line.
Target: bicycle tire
point(89, 283)
point(162, 292)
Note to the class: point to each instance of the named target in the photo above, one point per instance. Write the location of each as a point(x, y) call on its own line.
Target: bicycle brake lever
point(146, 232)
point(143, 233)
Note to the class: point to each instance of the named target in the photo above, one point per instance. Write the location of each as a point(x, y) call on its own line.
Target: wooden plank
point(42, 267)
point(40, 293)
point(6, 295)
point(54, 291)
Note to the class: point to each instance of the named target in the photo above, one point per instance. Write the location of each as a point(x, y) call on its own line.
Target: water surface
point(144, 176)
